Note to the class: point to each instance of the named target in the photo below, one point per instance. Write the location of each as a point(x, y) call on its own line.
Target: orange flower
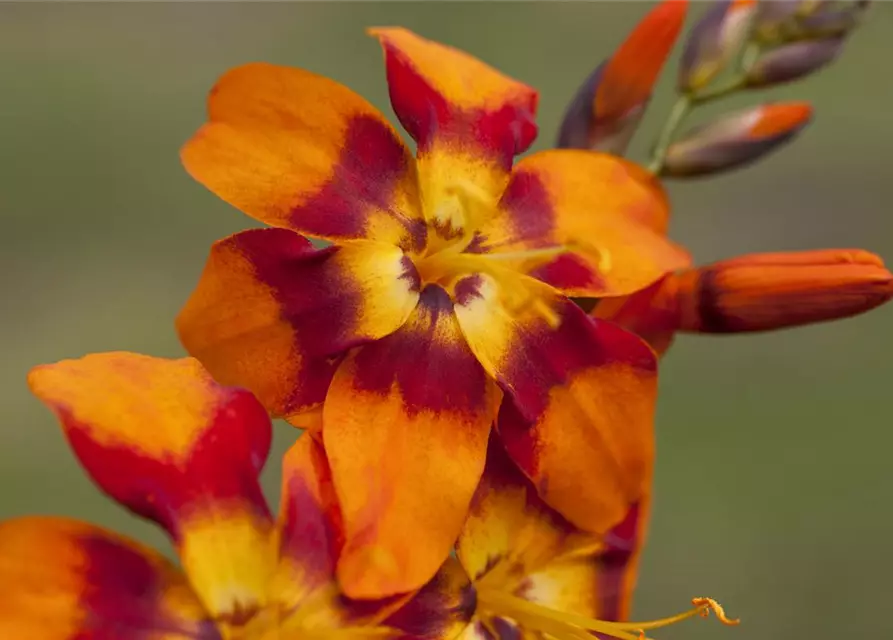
point(169, 444)
point(449, 272)
point(758, 292)
point(536, 574)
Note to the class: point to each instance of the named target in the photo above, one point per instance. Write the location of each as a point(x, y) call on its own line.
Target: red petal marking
point(310, 524)
point(273, 314)
point(629, 76)
point(62, 579)
point(297, 150)
point(405, 427)
point(438, 91)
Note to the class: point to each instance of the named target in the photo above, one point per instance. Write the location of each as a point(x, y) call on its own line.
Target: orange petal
point(441, 94)
point(309, 525)
point(63, 579)
point(163, 439)
point(628, 78)
point(469, 121)
point(297, 150)
point(762, 292)
point(405, 427)
point(272, 314)
point(578, 416)
point(652, 313)
point(608, 215)
point(510, 532)
point(513, 543)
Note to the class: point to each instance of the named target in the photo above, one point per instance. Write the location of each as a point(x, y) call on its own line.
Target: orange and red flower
point(535, 574)
point(171, 445)
point(441, 309)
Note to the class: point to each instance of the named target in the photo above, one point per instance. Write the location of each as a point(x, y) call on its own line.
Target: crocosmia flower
point(440, 309)
point(536, 575)
point(171, 445)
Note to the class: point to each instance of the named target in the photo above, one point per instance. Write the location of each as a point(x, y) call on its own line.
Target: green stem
point(665, 138)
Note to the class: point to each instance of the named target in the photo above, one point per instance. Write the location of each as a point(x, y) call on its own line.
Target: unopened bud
point(712, 43)
point(793, 61)
point(608, 106)
point(769, 291)
point(794, 20)
point(735, 140)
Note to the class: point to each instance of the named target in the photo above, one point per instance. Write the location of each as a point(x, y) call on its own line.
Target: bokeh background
point(774, 483)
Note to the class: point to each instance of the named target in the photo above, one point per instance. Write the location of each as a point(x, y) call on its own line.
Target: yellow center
point(461, 211)
point(560, 625)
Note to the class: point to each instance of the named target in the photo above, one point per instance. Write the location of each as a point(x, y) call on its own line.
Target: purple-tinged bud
point(712, 43)
point(605, 111)
point(793, 61)
point(735, 140)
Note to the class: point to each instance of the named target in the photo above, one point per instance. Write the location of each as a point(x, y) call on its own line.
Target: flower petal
point(297, 150)
point(271, 313)
point(163, 439)
point(438, 611)
point(309, 525)
point(443, 95)
point(608, 214)
point(510, 532)
point(405, 427)
point(63, 579)
point(598, 580)
point(578, 419)
point(468, 119)
point(653, 313)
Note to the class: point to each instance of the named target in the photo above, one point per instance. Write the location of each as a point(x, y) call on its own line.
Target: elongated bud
point(735, 140)
point(608, 106)
point(762, 292)
point(712, 43)
point(781, 21)
point(793, 61)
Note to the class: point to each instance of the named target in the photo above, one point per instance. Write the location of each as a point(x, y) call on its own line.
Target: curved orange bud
point(762, 292)
point(605, 112)
point(629, 76)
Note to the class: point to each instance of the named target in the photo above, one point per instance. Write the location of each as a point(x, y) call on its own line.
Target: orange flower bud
point(712, 42)
point(793, 61)
point(768, 291)
point(606, 109)
point(735, 139)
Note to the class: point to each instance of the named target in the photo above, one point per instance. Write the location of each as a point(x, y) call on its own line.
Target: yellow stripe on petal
point(63, 579)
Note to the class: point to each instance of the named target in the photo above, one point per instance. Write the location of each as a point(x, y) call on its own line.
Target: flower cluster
point(472, 356)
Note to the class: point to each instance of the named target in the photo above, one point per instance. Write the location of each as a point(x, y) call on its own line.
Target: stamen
point(570, 626)
point(545, 252)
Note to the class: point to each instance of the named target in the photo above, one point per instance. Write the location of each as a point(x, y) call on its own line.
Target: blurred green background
point(773, 483)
